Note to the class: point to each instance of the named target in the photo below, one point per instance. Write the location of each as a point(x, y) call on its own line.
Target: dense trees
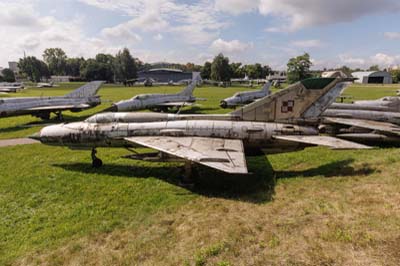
point(124, 66)
point(7, 75)
point(298, 68)
point(33, 68)
point(56, 60)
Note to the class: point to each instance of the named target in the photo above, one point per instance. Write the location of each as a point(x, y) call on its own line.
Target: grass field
point(314, 207)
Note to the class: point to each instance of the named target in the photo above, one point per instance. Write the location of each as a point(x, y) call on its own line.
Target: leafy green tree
point(125, 67)
point(237, 70)
point(395, 75)
point(206, 71)
point(374, 68)
point(56, 59)
point(220, 69)
point(97, 70)
point(299, 68)
point(74, 65)
point(8, 75)
point(33, 68)
point(347, 70)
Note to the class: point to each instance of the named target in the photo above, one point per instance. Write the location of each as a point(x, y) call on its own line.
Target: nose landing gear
point(96, 162)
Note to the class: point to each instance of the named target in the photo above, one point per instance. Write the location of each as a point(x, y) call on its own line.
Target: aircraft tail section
point(87, 90)
point(188, 91)
point(266, 88)
point(302, 101)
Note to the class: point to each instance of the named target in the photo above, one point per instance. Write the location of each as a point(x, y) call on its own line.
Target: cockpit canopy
point(141, 97)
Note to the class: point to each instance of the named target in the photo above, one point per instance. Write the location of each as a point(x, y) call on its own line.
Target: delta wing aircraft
point(10, 87)
point(246, 97)
point(283, 122)
point(76, 101)
point(158, 102)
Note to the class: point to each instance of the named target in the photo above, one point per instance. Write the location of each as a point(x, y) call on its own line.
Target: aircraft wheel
point(97, 163)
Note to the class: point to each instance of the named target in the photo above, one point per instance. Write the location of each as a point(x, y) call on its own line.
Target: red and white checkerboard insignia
point(287, 107)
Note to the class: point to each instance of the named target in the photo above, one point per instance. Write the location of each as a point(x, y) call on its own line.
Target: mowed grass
point(314, 207)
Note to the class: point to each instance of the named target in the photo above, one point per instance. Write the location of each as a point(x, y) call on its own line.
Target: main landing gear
point(96, 162)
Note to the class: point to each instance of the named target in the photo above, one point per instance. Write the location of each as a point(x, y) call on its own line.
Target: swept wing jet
point(76, 101)
point(46, 85)
point(158, 102)
point(283, 122)
point(246, 97)
point(10, 87)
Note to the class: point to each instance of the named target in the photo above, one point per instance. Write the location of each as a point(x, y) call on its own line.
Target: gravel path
point(15, 142)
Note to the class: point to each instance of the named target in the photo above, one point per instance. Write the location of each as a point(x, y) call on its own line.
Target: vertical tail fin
point(188, 91)
point(305, 100)
point(87, 90)
point(266, 88)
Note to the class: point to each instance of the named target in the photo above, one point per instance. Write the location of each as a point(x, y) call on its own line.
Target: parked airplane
point(275, 124)
point(10, 87)
point(76, 101)
point(242, 98)
point(46, 85)
point(389, 103)
point(158, 102)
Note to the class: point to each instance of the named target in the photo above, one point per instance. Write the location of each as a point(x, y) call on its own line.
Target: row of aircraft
point(289, 120)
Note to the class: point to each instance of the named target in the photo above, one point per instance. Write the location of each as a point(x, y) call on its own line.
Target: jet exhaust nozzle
point(223, 104)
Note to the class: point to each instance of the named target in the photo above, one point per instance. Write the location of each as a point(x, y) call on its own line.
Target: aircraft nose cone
point(112, 108)
point(35, 136)
point(223, 104)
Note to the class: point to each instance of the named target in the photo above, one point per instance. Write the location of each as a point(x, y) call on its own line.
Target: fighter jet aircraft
point(278, 123)
point(242, 98)
point(158, 102)
point(10, 87)
point(387, 104)
point(46, 85)
point(76, 101)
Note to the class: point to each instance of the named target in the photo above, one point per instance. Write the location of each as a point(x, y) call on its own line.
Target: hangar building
point(165, 75)
point(373, 77)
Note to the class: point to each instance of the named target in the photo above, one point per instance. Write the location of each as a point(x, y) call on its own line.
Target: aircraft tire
point(97, 163)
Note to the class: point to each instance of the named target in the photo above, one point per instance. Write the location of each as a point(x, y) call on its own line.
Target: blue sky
point(357, 33)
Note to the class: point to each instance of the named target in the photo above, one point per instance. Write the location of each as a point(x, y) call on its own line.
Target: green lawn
point(314, 207)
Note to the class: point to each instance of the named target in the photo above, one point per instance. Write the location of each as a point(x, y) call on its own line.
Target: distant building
point(334, 74)
point(165, 75)
point(1, 70)
point(14, 67)
point(60, 79)
point(280, 76)
point(373, 77)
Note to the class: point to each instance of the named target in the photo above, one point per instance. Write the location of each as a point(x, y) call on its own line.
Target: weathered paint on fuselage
point(148, 101)
point(380, 116)
point(21, 106)
point(243, 98)
point(254, 134)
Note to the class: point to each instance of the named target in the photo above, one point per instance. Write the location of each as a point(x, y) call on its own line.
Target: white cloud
point(392, 35)
point(236, 7)
point(158, 37)
point(307, 43)
point(234, 46)
point(297, 14)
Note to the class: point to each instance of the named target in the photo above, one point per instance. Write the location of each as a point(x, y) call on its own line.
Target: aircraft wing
point(173, 104)
point(367, 124)
point(58, 107)
point(226, 155)
point(331, 142)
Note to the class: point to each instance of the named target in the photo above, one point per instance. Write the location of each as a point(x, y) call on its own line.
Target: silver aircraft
point(10, 87)
point(387, 104)
point(283, 122)
point(76, 101)
point(46, 85)
point(246, 97)
point(158, 102)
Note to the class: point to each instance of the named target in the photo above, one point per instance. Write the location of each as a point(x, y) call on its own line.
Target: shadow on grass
point(338, 168)
point(258, 187)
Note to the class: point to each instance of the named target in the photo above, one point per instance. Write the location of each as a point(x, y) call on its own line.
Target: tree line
point(123, 66)
point(118, 68)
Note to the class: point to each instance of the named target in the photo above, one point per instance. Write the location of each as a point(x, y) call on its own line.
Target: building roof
point(369, 73)
point(165, 69)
